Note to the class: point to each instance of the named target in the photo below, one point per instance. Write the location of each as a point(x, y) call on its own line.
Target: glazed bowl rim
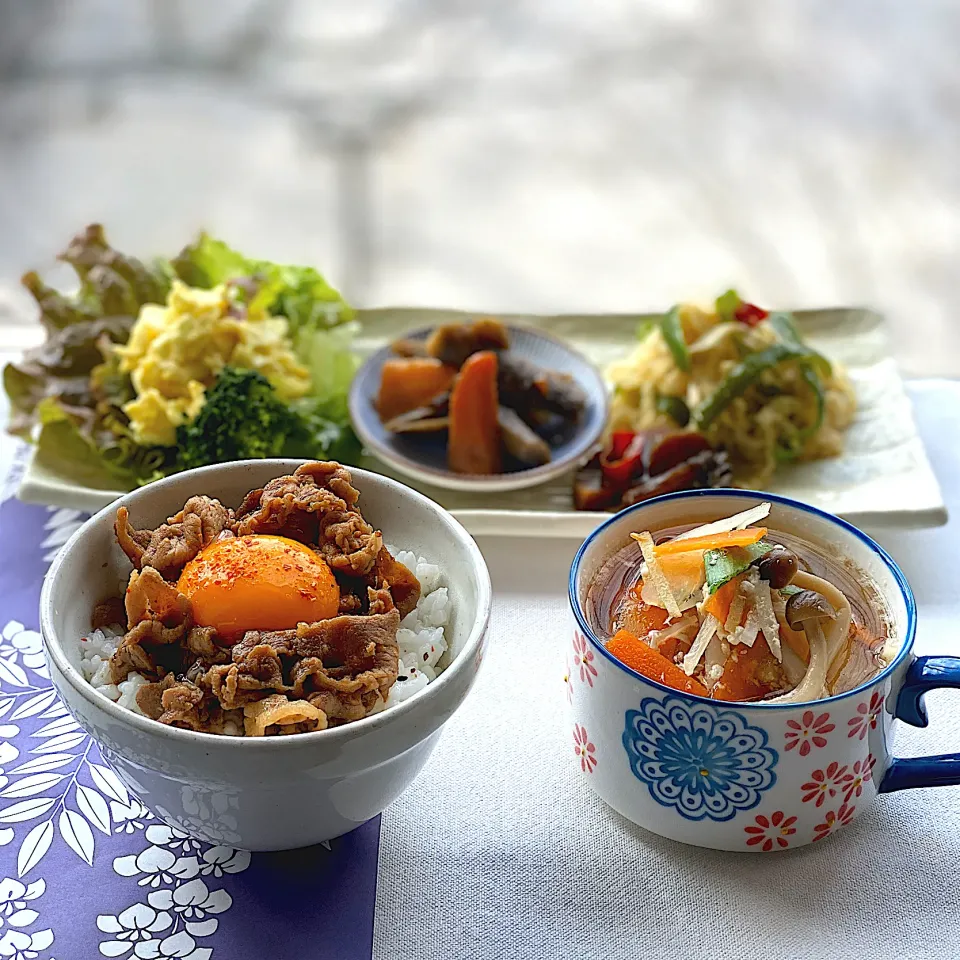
point(464, 662)
point(910, 603)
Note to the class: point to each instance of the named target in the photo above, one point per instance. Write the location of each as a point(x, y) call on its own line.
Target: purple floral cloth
point(85, 869)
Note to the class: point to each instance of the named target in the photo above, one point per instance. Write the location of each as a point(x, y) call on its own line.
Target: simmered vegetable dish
point(496, 411)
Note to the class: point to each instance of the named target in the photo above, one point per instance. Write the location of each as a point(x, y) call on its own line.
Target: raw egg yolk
point(258, 583)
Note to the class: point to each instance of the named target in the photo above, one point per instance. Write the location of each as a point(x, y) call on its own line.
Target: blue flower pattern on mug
point(702, 761)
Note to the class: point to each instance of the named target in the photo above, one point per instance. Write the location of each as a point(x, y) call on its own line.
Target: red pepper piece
point(622, 463)
point(750, 314)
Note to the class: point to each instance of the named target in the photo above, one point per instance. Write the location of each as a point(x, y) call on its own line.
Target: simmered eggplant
point(520, 441)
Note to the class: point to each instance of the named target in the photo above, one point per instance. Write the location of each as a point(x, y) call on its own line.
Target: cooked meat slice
point(388, 576)
point(350, 603)
point(183, 706)
point(133, 542)
point(175, 702)
point(316, 505)
point(250, 503)
point(277, 711)
point(403, 585)
point(341, 708)
point(108, 613)
point(150, 597)
point(256, 667)
point(284, 642)
point(380, 600)
point(347, 654)
point(213, 515)
point(262, 664)
point(174, 544)
point(150, 696)
point(130, 656)
point(149, 648)
point(231, 688)
point(202, 643)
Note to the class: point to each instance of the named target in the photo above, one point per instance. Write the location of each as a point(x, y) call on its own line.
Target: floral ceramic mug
point(747, 776)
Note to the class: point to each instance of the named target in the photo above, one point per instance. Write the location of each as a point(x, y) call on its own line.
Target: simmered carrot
point(716, 541)
point(474, 444)
point(718, 603)
point(749, 673)
point(410, 382)
point(647, 661)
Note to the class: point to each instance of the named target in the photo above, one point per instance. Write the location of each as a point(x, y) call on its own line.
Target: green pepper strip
point(674, 408)
point(811, 371)
point(793, 448)
point(673, 335)
point(744, 375)
point(786, 329)
point(726, 305)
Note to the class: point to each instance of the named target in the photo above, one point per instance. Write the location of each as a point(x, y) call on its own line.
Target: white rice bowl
point(421, 638)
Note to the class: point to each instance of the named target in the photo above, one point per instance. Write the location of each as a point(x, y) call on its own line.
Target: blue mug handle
point(925, 673)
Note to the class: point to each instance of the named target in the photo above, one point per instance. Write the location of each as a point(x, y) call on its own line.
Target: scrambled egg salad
point(175, 352)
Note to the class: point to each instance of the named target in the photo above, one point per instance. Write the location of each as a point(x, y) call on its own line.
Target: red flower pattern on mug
point(810, 732)
point(770, 831)
point(867, 716)
point(833, 820)
point(853, 782)
point(824, 784)
point(584, 749)
point(568, 682)
point(583, 659)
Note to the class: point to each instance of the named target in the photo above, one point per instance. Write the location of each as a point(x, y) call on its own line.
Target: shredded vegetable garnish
point(704, 635)
point(747, 634)
point(737, 522)
point(655, 574)
point(735, 614)
point(767, 619)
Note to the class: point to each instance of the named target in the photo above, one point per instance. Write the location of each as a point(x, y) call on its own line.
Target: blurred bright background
point(541, 155)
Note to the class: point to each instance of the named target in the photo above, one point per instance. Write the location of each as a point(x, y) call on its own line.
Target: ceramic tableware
point(277, 792)
point(425, 458)
point(747, 776)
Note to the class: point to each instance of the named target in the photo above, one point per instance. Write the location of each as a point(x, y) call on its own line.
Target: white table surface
point(500, 852)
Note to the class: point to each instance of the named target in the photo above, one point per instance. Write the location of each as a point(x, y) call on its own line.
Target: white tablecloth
point(499, 852)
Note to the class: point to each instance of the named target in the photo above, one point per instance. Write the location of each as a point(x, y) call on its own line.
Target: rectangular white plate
point(883, 476)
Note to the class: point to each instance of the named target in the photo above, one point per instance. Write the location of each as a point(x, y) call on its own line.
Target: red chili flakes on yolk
point(246, 583)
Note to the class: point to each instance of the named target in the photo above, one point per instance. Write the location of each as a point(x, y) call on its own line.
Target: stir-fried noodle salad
point(743, 378)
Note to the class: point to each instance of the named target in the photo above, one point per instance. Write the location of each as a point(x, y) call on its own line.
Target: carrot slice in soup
point(750, 673)
point(411, 382)
point(645, 660)
point(718, 603)
point(474, 444)
point(716, 541)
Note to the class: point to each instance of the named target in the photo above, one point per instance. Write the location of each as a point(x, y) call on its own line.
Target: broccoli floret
point(241, 419)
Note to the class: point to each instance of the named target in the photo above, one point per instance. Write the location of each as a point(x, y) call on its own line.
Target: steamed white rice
point(422, 641)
